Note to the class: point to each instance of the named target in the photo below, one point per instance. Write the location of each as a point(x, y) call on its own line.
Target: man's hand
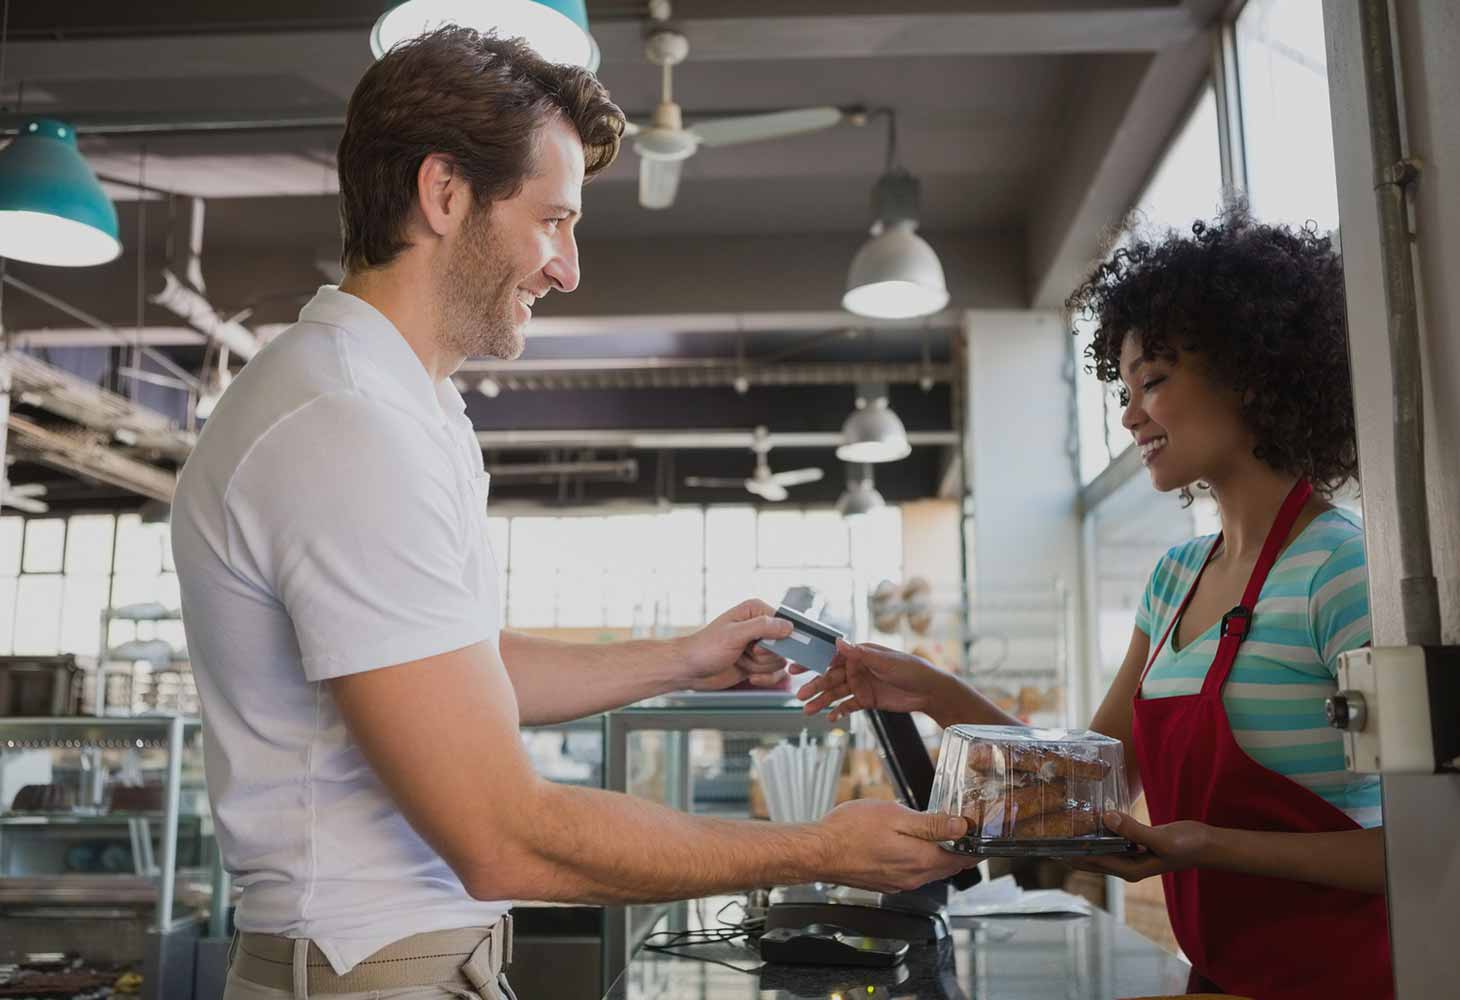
point(1167, 848)
point(886, 847)
point(724, 652)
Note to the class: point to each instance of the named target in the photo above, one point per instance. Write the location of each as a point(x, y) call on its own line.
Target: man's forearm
point(556, 681)
point(1349, 859)
point(586, 845)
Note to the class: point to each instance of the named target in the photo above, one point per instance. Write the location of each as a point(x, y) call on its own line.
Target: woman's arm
point(868, 676)
point(1345, 859)
point(1114, 716)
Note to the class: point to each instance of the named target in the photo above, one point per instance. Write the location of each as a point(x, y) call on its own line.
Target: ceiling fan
point(763, 482)
point(27, 497)
point(665, 143)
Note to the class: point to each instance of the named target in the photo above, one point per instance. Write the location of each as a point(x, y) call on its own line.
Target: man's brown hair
point(475, 98)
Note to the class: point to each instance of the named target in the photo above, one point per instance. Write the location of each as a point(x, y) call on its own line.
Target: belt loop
point(482, 967)
point(301, 969)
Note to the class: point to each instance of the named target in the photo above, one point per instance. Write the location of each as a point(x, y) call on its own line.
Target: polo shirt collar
point(373, 333)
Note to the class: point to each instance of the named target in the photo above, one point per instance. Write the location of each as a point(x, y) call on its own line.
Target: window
point(1186, 186)
point(1282, 71)
point(652, 572)
point(58, 576)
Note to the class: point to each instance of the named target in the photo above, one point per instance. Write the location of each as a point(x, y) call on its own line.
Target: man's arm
point(556, 681)
point(442, 735)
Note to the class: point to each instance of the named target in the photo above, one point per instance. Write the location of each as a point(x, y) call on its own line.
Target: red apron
point(1267, 938)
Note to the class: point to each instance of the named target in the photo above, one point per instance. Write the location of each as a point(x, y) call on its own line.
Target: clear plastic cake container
point(1031, 792)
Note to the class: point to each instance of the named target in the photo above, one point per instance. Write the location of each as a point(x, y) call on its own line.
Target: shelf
point(37, 819)
point(89, 732)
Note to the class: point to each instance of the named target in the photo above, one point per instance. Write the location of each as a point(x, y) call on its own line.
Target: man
point(361, 706)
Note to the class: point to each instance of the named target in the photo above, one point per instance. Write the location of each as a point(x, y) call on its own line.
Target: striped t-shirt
point(1314, 605)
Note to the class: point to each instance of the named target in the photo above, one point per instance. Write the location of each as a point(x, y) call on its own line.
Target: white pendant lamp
point(896, 274)
point(557, 30)
point(861, 496)
point(873, 433)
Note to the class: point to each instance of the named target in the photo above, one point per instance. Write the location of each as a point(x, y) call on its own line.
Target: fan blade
point(767, 489)
point(797, 477)
point(658, 181)
point(754, 128)
point(712, 482)
point(21, 502)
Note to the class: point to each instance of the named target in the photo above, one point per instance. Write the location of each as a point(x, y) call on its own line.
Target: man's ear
point(442, 194)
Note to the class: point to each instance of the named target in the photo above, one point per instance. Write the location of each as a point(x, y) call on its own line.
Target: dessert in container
point(1030, 792)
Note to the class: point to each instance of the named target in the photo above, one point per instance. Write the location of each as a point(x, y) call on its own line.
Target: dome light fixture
point(557, 30)
point(896, 274)
point(861, 496)
point(52, 208)
point(873, 432)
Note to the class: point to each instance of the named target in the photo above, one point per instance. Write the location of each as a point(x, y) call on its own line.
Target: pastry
point(918, 598)
point(44, 798)
point(886, 613)
point(994, 812)
point(1045, 762)
point(1075, 822)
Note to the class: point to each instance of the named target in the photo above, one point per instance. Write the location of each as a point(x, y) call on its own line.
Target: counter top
point(987, 958)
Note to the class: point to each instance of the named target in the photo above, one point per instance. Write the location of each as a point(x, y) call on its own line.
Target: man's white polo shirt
point(331, 520)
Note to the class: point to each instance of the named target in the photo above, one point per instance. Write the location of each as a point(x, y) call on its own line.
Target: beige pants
point(242, 989)
point(467, 964)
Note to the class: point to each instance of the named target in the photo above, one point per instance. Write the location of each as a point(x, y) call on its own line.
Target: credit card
point(812, 644)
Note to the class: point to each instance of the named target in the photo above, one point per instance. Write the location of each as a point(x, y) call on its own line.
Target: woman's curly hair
point(1264, 305)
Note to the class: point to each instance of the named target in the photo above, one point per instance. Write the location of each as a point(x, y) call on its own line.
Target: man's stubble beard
point(477, 294)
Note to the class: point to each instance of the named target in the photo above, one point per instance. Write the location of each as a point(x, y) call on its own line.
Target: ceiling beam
point(83, 454)
point(1129, 116)
point(335, 59)
point(669, 284)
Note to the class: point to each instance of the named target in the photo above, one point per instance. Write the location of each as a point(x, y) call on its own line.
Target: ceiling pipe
point(83, 454)
point(668, 440)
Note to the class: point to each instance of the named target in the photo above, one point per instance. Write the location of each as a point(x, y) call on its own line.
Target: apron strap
point(1238, 622)
point(1180, 610)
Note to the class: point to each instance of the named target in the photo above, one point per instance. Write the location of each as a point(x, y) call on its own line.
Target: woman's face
point(1189, 427)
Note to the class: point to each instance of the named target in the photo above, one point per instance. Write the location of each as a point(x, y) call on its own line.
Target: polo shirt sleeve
point(349, 513)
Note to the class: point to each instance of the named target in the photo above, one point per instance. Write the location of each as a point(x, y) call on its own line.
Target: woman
point(1229, 349)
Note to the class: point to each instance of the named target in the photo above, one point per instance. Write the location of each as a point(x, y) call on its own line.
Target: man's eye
point(1152, 383)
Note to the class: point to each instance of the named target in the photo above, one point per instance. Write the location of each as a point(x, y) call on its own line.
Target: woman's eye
point(553, 223)
point(1150, 384)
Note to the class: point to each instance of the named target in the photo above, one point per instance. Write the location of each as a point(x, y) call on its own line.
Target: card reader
point(812, 644)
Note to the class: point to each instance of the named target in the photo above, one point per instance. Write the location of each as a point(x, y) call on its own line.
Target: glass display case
point(106, 840)
point(690, 751)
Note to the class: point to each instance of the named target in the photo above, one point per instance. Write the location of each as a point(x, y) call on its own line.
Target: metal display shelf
point(170, 939)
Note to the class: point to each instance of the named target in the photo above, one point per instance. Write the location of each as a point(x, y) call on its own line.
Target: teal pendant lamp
point(556, 29)
point(52, 208)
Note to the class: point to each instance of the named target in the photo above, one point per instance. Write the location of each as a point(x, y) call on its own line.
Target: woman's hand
point(1167, 848)
point(871, 676)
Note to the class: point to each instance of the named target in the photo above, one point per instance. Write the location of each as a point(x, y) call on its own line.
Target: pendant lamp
point(873, 432)
point(52, 208)
point(896, 274)
point(860, 496)
point(557, 30)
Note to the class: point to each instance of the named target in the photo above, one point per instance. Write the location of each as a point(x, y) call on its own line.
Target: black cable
point(727, 933)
